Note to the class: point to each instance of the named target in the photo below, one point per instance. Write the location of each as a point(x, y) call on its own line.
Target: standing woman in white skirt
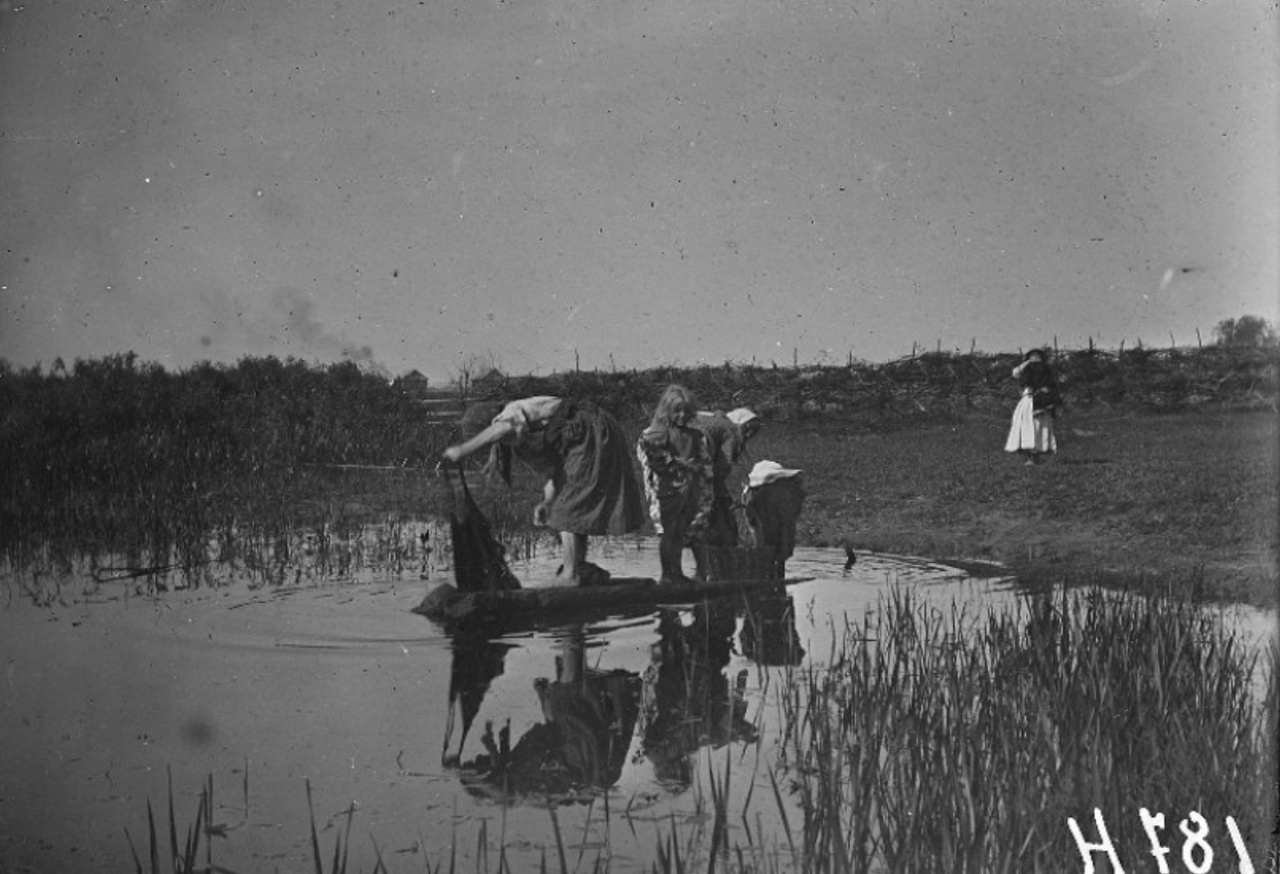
point(1031, 432)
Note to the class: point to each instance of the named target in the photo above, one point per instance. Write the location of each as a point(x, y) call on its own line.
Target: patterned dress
point(676, 467)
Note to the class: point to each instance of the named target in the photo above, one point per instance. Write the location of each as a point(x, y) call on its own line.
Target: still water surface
point(332, 679)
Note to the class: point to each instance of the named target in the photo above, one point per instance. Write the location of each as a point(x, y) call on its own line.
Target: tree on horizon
point(1245, 331)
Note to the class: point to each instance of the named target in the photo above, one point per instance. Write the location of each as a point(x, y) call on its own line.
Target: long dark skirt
point(772, 512)
point(596, 488)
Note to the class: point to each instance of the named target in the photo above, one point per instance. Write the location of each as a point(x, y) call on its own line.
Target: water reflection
point(663, 713)
point(769, 637)
point(475, 664)
point(258, 555)
point(234, 681)
point(589, 719)
point(689, 701)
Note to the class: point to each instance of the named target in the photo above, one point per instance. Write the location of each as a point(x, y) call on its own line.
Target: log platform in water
point(525, 607)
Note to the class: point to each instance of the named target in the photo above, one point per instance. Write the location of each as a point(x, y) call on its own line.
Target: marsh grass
point(184, 856)
point(939, 739)
point(950, 742)
point(119, 458)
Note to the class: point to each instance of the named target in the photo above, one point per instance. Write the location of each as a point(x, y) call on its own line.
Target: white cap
point(766, 472)
point(741, 416)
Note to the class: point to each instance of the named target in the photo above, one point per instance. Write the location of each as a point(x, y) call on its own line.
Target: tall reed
point(946, 742)
point(938, 739)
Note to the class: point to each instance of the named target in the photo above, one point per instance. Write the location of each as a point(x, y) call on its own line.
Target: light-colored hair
point(674, 398)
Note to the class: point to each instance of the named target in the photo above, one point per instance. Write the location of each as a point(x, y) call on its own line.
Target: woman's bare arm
point(490, 435)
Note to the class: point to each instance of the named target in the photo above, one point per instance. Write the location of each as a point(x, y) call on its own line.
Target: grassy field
point(1184, 503)
point(1166, 478)
point(1185, 500)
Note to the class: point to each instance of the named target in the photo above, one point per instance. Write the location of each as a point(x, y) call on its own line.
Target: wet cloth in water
point(479, 560)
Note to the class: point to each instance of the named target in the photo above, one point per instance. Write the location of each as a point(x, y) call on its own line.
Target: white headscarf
point(766, 472)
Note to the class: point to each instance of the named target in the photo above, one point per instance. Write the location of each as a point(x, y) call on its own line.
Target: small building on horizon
point(413, 384)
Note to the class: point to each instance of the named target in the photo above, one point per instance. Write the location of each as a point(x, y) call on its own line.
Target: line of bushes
point(1165, 380)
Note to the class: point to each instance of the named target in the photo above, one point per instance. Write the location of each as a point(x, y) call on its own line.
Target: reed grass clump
point(937, 739)
point(948, 742)
point(121, 458)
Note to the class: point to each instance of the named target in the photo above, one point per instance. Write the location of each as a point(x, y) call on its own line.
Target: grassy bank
point(1185, 501)
point(1167, 471)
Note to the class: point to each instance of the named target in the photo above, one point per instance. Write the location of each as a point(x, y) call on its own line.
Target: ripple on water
point(338, 683)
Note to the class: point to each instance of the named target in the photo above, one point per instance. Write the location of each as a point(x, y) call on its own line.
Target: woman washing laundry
point(1031, 431)
point(727, 435)
point(773, 499)
point(583, 452)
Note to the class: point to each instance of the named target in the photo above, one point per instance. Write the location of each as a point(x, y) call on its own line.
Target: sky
point(543, 184)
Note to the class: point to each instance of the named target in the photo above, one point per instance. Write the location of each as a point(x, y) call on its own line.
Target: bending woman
point(727, 435)
point(591, 488)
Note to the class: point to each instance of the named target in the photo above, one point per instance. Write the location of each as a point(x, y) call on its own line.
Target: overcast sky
point(424, 184)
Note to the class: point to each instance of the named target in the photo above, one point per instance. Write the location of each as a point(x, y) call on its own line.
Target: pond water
point(113, 689)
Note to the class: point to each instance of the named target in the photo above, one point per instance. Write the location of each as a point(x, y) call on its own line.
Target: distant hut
point(491, 383)
point(413, 384)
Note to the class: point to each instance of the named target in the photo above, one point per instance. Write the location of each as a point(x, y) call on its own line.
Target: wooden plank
point(525, 607)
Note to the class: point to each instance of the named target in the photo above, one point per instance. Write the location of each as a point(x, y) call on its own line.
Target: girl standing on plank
point(581, 449)
point(676, 466)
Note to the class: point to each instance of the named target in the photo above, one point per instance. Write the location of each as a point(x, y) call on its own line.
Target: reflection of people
point(677, 478)
point(688, 700)
point(583, 452)
point(773, 499)
point(1031, 431)
point(589, 718)
point(727, 436)
point(476, 662)
point(768, 636)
